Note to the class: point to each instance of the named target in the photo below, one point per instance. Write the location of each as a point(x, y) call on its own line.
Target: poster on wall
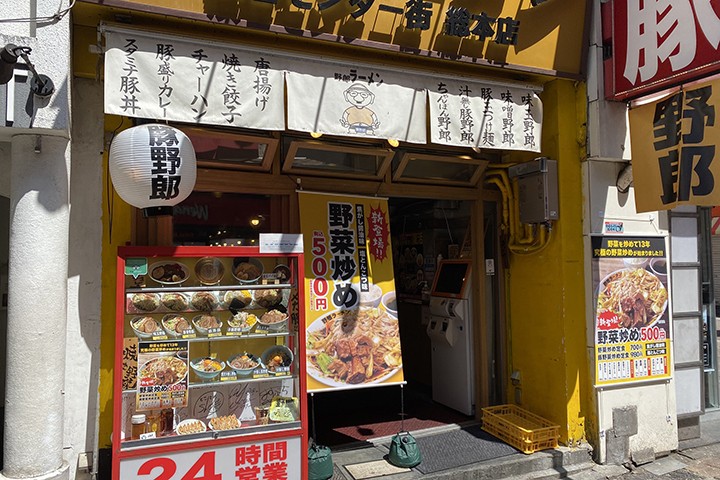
point(162, 375)
point(353, 336)
point(632, 319)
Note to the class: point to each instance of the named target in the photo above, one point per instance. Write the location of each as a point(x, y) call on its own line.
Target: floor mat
point(349, 416)
point(459, 447)
point(377, 468)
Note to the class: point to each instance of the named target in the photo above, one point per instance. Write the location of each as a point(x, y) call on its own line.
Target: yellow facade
point(546, 301)
point(547, 291)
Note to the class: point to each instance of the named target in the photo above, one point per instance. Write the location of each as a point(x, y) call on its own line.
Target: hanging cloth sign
point(353, 335)
point(356, 101)
point(674, 142)
point(485, 116)
point(167, 78)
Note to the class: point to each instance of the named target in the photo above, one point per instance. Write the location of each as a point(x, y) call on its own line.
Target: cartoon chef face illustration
point(358, 118)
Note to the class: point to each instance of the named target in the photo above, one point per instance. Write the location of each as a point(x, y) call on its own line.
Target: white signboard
point(356, 101)
point(167, 78)
point(281, 243)
point(275, 458)
point(478, 115)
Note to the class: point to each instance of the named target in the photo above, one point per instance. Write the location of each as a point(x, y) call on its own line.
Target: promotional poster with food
point(632, 320)
point(353, 337)
point(163, 375)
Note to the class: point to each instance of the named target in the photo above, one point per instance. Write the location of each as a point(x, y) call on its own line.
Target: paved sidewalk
point(694, 460)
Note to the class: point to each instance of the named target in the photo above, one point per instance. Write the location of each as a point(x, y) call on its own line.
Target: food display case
point(209, 381)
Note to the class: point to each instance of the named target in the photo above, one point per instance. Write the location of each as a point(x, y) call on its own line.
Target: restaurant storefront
point(425, 108)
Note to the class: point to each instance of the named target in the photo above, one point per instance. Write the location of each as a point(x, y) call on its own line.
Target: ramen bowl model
point(145, 327)
point(243, 363)
point(247, 270)
point(207, 368)
point(203, 323)
point(145, 302)
point(237, 299)
point(243, 320)
point(204, 301)
point(209, 270)
point(267, 297)
point(175, 325)
point(175, 302)
point(274, 320)
point(283, 273)
point(276, 356)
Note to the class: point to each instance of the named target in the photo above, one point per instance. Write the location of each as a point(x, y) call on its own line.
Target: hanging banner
point(168, 78)
point(632, 320)
point(356, 101)
point(674, 142)
point(485, 116)
point(353, 337)
point(162, 377)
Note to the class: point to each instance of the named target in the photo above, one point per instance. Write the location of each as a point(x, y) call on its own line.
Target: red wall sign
point(658, 44)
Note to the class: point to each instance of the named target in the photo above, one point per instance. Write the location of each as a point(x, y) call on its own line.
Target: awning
point(173, 78)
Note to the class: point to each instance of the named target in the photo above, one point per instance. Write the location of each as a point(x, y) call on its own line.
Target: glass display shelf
point(211, 434)
point(271, 378)
point(219, 338)
point(202, 288)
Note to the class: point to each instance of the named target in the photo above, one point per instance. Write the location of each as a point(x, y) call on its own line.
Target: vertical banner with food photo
point(632, 319)
point(162, 375)
point(353, 337)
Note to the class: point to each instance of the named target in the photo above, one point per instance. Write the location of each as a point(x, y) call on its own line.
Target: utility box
point(537, 190)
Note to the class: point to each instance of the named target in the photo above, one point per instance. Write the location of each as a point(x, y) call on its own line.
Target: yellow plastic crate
point(522, 429)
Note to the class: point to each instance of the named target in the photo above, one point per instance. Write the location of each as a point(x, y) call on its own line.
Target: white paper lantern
point(153, 166)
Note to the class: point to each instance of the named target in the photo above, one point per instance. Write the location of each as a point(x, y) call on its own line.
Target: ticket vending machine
point(451, 336)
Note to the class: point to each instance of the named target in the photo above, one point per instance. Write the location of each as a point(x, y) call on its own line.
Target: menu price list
point(632, 369)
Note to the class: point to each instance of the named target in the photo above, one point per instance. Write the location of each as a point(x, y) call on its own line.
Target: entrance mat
point(455, 448)
point(376, 468)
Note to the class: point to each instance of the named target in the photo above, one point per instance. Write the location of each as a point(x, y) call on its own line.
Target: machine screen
point(450, 278)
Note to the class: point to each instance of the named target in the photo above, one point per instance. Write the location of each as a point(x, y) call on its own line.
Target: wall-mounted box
point(537, 190)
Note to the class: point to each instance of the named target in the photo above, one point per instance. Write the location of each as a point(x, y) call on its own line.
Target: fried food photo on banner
point(354, 346)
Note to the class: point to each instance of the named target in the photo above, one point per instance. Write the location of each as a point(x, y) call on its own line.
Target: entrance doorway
point(423, 231)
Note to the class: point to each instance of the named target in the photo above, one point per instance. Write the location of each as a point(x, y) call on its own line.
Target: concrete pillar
point(37, 312)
